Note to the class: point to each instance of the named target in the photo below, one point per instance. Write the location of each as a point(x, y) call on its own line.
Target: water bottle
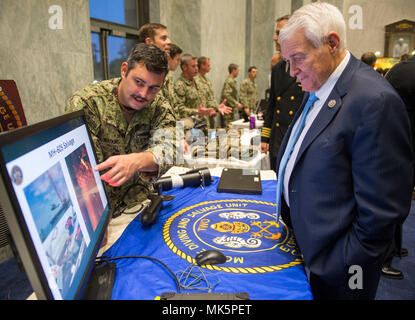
point(252, 122)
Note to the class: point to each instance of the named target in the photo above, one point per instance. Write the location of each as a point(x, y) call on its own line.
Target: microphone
point(192, 178)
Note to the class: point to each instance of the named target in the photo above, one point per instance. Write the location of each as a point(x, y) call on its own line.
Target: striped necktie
point(289, 149)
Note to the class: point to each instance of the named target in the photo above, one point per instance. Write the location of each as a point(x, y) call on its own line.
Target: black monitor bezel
point(15, 219)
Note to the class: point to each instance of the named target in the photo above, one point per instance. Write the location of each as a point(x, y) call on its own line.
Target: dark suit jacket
point(402, 78)
point(351, 183)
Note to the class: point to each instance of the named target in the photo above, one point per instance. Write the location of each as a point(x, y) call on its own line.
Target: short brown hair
point(175, 50)
point(232, 67)
point(148, 30)
point(201, 60)
point(151, 56)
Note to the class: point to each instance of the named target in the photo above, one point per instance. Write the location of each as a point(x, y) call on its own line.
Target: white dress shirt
point(322, 95)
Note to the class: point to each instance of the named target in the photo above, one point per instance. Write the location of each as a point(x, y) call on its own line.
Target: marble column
point(223, 38)
point(262, 46)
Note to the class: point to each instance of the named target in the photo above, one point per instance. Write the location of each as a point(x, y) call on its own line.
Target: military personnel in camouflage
point(189, 100)
point(230, 93)
point(205, 89)
point(157, 34)
point(168, 87)
point(248, 94)
point(124, 117)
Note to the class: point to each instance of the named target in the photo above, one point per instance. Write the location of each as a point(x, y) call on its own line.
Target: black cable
point(121, 207)
point(190, 280)
point(106, 259)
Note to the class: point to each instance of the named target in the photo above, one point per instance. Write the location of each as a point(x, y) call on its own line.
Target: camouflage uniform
point(167, 90)
point(205, 90)
point(188, 97)
point(168, 93)
point(248, 94)
point(112, 135)
point(230, 93)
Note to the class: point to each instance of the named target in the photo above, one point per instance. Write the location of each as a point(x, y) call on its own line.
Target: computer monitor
point(55, 204)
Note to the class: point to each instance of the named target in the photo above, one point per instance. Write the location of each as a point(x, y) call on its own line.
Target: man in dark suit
point(285, 98)
point(348, 177)
point(402, 78)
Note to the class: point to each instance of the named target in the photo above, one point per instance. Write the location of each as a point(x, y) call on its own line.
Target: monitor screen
point(55, 203)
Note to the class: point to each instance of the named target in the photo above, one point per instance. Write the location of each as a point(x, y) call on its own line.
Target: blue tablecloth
point(262, 257)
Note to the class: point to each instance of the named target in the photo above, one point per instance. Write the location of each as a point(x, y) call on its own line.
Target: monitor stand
point(100, 283)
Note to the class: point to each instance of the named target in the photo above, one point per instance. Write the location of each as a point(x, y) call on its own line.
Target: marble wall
point(48, 57)
point(223, 38)
point(183, 20)
point(262, 46)
point(375, 16)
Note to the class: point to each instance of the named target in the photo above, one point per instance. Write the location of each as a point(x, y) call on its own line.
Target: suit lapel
point(324, 117)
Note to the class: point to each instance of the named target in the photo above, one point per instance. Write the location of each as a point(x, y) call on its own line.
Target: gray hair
point(317, 19)
point(185, 59)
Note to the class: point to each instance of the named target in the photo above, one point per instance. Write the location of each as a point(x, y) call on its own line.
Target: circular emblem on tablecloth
point(244, 230)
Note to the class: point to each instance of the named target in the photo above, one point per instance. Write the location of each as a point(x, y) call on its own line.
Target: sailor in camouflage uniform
point(157, 34)
point(205, 89)
point(122, 118)
point(167, 90)
point(230, 93)
point(189, 99)
point(248, 93)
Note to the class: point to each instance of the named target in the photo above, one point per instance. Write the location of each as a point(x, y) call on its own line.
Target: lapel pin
point(332, 103)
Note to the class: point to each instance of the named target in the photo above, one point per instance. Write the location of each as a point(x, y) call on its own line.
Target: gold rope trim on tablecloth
point(190, 259)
